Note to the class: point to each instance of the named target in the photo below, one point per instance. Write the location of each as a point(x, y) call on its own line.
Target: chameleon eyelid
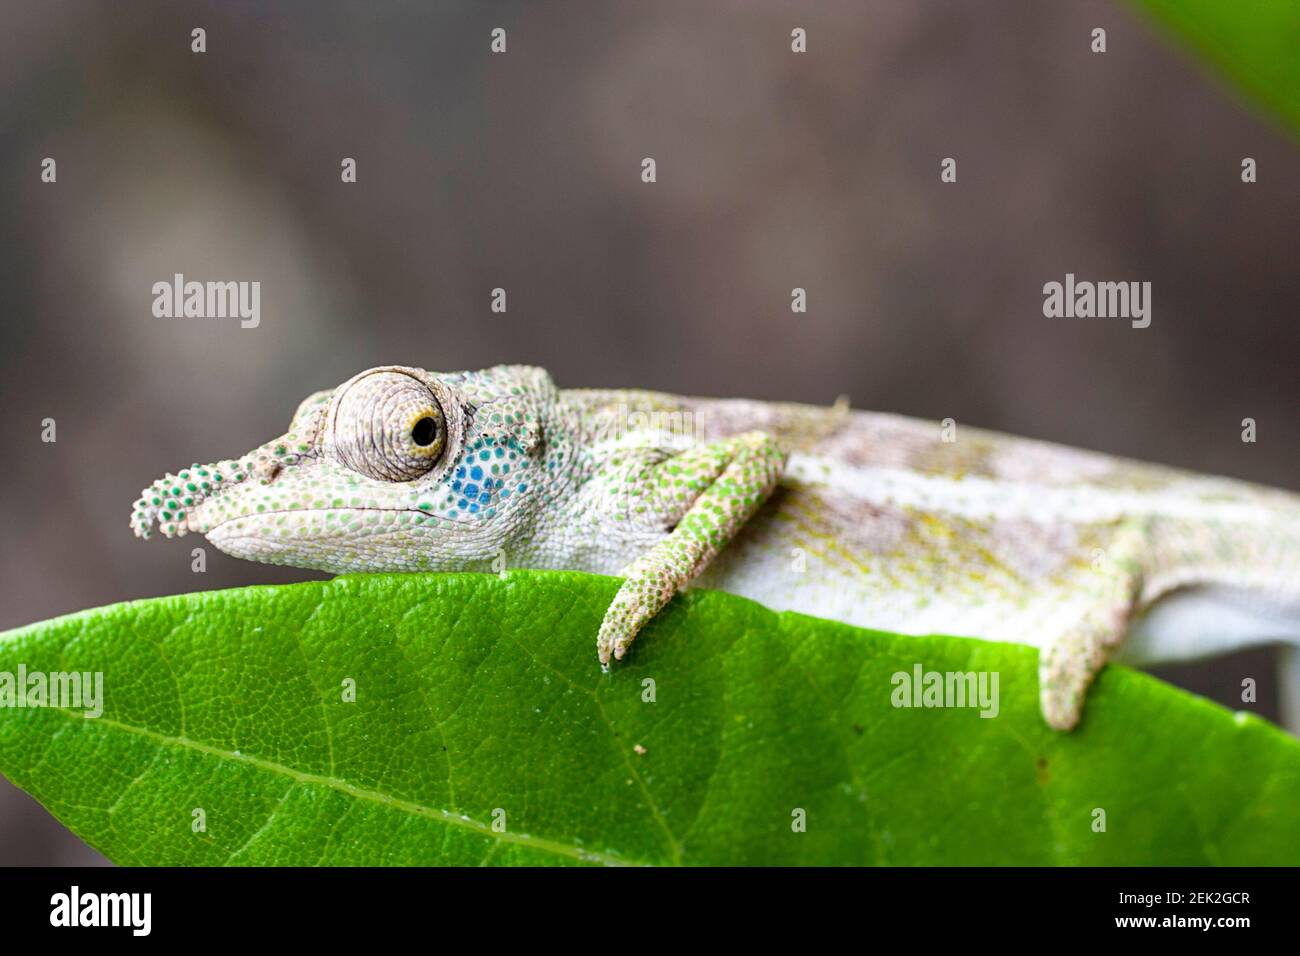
point(448, 415)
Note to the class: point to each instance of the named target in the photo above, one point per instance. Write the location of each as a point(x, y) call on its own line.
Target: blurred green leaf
point(479, 699)
point(1255, 42)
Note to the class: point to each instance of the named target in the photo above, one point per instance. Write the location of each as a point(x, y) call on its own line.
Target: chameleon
point(873, 519)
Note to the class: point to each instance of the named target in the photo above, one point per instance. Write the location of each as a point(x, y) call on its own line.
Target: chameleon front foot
point(706, 495)
point(649, 584)
point(640, 598)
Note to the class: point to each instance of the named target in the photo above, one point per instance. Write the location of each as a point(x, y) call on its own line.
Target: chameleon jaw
point(302, 510)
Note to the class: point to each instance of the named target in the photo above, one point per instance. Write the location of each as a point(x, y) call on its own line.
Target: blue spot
point(460, 472)
point(476, 473)
point(461, 503)
point(486, 498)
point(455, 486)
point(501, 452)
point(471, 491)
point(484, 455)
point(522, 487)
point(473, 509)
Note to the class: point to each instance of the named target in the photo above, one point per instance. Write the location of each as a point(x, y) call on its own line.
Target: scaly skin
point(867, 518)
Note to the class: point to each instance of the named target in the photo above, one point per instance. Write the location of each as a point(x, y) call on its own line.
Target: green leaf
point(1255, 42)
point(477, 696)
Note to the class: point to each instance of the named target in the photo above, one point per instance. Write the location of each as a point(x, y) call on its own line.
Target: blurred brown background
point(522, 170)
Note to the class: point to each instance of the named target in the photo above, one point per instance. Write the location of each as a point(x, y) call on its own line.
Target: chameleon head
point(396, 469)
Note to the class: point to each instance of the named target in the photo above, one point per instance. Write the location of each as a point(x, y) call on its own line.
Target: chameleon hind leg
point(1071, 659)
point(703, 496)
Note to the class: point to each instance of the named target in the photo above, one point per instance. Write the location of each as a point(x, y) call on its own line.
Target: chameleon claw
point(626, 615)
point(617, 632)
point(605, 647)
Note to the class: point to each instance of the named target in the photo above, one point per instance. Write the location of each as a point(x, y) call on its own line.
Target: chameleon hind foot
point(1067, 666)
point(1068, 663)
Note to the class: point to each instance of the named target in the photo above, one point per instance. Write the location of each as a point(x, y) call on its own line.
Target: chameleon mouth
point(333, 539)
point(255, 525)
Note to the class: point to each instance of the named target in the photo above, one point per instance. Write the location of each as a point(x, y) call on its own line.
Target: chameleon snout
point(172, 500)
point(176, 502)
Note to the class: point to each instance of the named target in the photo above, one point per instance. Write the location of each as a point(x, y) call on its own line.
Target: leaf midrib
point(361, 793)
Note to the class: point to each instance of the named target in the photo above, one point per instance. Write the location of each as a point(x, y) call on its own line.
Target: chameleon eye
point(389, 426)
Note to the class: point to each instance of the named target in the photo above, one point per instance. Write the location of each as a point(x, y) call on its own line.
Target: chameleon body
point(872, 519)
